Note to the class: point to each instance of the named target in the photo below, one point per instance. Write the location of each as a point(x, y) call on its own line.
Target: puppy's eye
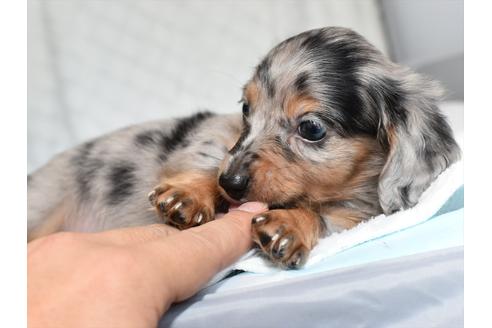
point(245, 109)
point(312, 130)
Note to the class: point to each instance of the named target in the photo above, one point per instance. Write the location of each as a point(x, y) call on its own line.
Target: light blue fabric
point(455, 202)
point(443, 231)
point(417, 291)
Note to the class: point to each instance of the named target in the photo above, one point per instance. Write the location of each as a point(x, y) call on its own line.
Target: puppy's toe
point(279, 239)
point(179, 208)
point(280, 249)
point(298, 258)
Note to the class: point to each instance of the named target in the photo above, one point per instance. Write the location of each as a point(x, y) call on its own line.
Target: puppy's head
point(327, 118)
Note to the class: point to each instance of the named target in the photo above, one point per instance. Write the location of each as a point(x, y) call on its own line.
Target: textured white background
point(97, 65)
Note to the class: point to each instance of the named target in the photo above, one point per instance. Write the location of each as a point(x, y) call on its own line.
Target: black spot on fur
point(323, 226)
point(177, 138)
point(122, 181)
point(284, 123)
point(313, 40)
point(243, 161)
point(283, 206)
point(201, 153)
point(391, 96)
point(241, 139)
point(149, 138)
point(338, 56)
point(404, 192)
point(263, 73)
point(347, 113)
point(86, 168)
point(301, 83)
point(287, 153)
point(387, 99)
point(439, 143)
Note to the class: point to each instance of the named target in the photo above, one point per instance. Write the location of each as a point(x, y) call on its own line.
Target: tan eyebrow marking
point(297, 105)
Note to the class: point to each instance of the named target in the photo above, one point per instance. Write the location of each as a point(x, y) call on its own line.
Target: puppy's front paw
point(279, 237)
point(181, 208)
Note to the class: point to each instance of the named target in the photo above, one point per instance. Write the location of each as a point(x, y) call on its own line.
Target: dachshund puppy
point(332, 133)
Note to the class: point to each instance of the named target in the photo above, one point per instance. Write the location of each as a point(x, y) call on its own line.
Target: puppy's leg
point(186, 199)
point(287, 236)
point(187, 194)
point(48, 197)
point(341, 218)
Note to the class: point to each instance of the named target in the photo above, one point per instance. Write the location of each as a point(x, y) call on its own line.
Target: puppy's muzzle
point(234, 184)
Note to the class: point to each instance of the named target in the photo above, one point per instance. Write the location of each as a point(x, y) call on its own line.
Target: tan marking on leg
point(202, 184)
point(188, 199)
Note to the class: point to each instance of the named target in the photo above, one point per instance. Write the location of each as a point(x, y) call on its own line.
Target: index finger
point(188, 260)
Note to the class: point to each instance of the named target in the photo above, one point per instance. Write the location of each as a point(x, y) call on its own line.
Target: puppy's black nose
point(235, 185)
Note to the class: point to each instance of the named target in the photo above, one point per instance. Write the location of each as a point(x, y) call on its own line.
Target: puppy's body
point(332, 133)
point(103, 184)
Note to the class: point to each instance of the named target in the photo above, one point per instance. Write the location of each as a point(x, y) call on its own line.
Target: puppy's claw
point(154, 194)
point(168, 200)
point(152, 198)
point(177, 206)
point(280, 239)
point(297, 260)
point(180, 208)
point(279, 251)
point(163, 206)
point(258, 219)
point(198, 218)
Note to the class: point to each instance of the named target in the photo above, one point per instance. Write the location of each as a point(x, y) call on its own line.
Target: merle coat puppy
point(332, 133)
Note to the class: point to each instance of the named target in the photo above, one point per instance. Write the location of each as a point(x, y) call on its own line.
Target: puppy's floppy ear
point(418, 138)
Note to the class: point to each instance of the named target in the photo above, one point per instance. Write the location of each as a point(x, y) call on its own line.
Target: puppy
point(332, 133)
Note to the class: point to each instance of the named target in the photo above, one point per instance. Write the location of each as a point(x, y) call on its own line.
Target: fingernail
point(253, 207)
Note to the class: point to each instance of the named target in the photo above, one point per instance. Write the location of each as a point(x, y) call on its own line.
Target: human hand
point(129, 277)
